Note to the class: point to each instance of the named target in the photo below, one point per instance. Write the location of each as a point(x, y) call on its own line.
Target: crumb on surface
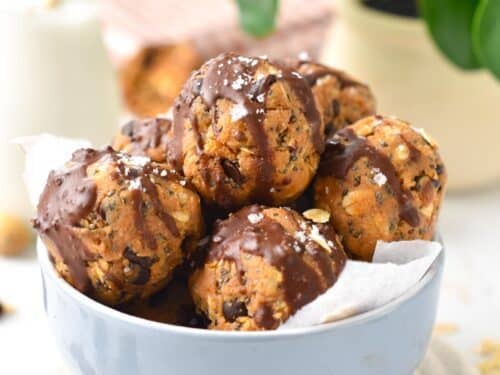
point(489, 351)
point(445, 328)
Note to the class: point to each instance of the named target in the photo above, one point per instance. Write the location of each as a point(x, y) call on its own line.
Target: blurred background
point(81, 68)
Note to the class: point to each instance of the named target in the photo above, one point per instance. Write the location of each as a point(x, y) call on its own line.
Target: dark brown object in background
point(171, 305)
point(406, 8)
point(152, 79)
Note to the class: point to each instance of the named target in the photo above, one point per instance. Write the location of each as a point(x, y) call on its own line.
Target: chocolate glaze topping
point(345, 148)
point(70, 196)
point(145, 134)
point(312, 72)
point(268, 239)
point(232, 77)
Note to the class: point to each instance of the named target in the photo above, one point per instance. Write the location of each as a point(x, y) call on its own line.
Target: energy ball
point(264, 264)
point(145, 137)
point(117, 226)
point(246, 130)
point(380, 179)
point(151, 80)
point(341, 99)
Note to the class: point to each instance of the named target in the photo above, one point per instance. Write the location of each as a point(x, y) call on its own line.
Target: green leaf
point(258, 17)
point(450, 24)
point(486, 35)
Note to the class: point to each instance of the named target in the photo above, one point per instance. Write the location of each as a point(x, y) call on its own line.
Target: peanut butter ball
point(152, 79)
point(380, 179)
point(340, 99)
point(117, 226)
point(264, 264)
point(246, 130)
point(144, 137)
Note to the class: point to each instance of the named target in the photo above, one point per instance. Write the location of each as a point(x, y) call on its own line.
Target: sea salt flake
point(317, 237)
point(261, 97)
point(255, 218)
point(238, 112)
point(182, 182)
point(139, 161)
point(238, 83)
point(297, 247)
point(301, 236)
point(163, 173)
point(135, 184)
point(380, 178)
point(304, 56)
point(245, 60)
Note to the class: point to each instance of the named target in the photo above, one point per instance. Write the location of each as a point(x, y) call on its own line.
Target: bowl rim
point(110, 313)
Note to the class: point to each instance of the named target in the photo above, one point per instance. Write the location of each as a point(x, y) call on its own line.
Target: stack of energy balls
point(211, 196)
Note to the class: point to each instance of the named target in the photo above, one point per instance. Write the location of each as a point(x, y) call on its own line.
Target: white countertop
point(470, 298)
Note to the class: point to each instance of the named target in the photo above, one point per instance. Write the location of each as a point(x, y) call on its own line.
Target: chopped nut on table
point(445, 328)
point(490, 353)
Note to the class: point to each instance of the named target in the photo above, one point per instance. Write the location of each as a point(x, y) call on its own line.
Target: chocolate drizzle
point(312, 72)
point(346, 148)
point(146, 134)
point(70, 196)
point(281, 249)
point(234, 78)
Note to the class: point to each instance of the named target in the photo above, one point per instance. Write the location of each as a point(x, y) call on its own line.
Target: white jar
point(55, 77)
point(412, 80)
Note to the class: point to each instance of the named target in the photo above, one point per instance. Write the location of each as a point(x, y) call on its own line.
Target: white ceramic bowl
point(95, 339)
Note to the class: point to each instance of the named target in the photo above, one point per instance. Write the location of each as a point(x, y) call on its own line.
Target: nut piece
point(317, 215)
point(431, 141)
point(490, 357)
point(5, 309)
point(14, 235)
